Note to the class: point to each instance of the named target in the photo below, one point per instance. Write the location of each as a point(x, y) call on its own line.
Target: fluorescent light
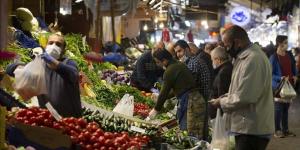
point(145, 28)
point(204, 22)
point(156, 5)
point(187, 23)
point(155, 20)
point(78, 1)
point(161, 25)
point(151, 2)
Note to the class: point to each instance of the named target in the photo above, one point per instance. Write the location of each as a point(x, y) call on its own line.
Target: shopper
point(178, 79)
point(146, 72)
point(209, 47)
point(223, 71)
point(62, 79)
point(195, 51)
point(284, 67)
point(249, 102)
point(197, 66)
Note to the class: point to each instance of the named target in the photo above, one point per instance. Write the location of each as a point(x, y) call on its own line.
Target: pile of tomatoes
point(141, 109)
point(88, 135)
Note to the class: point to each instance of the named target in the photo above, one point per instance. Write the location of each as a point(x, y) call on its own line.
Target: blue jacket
point(276, 69)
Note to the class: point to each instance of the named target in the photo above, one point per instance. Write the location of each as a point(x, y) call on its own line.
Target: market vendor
point(62, 79)
point(146, 72)
point(179, 79)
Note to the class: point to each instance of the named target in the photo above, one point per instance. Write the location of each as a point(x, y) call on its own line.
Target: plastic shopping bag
point(30, 81)
point(287, 91)
point(220, 137)
point(125, 106)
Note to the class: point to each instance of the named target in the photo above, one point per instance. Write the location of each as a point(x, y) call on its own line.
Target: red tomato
point(101, 140)
point(81, 138)
point(111, 148)
point(103, 148)
point(87, 135)
point(96, 145)
point(108, 135)
point(93, 139)
point(108, 142)
point(88, 147)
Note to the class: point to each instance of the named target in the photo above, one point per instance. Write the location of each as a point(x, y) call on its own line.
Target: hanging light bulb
point(155, 20)
point(161, 25)
point(145, 28)
point(204, 22)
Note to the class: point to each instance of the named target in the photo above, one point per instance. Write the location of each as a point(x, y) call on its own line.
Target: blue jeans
point(281, 116)
point(182, 110)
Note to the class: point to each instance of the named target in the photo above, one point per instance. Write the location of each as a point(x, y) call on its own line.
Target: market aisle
point(290, 143)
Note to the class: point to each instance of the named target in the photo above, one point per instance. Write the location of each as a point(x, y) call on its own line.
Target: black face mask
point(232, 51)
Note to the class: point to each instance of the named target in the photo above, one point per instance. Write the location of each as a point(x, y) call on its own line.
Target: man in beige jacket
point(249, 102)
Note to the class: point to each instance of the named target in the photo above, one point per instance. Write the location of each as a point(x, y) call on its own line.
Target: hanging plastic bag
point(30, 81)
point(125, 106)
point(220, 137)
point(287, 91)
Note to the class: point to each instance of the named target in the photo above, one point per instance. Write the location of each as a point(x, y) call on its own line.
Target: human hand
point(151, 115)
point(295, 78)
point(154, 96)
point(47, 58)
point(215, 102)
point(154, 90)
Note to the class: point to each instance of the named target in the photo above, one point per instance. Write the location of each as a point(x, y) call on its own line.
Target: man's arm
point(246, 92)
point(68, 71)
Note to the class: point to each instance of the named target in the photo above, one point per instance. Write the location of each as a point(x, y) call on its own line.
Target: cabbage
point(24, 14)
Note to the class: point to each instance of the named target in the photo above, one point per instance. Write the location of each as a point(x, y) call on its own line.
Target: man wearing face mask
point(62, 79)
point(196, 65)
point(248, 106)
point(222, 70)
point(191, 106)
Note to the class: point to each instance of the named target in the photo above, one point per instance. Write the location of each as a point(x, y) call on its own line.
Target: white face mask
point(215, 66)
point(183, 58)
point(53, 50)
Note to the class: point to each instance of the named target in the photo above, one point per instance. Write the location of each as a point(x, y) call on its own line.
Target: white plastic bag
point(125, 106)
point(287, 91)
point(220, 137)
point(30, 81)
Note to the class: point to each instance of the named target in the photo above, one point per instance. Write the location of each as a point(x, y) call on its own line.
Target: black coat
point(221, 84)
point(222, 79)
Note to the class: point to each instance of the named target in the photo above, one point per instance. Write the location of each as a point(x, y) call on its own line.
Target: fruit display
point(89, 135)
point(178, 139)
point(141, 109)
point(114, 123)
point(111, 76)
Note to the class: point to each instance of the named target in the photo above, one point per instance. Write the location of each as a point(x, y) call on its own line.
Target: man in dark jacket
point(223, 70)
point(62, 79)
point(146, 72)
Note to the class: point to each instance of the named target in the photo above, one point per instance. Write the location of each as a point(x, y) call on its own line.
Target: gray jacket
point(249, 104)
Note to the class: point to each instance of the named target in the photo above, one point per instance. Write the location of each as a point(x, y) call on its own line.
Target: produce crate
point(41, 138)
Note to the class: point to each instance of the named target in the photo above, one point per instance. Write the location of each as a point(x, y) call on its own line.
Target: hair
point(236, 32)
point(280, 39)
point(162, 54)
point(59, 35)
point(220, 53)
point(183, 44)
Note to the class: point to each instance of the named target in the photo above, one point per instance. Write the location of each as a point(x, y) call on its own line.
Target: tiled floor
point(290, 143)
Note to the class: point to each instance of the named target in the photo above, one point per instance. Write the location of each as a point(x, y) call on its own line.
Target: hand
point(154, 90)
point(154, 96)
point(47, 58)
point(295, 79)
point(215, 102)
point(152, 114)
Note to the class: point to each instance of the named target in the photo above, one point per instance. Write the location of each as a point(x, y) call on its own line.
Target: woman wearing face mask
point(283, 68)
point(223, 70)
point(192, 106)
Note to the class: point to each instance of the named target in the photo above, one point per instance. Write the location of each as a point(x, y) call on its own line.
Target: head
point(193, 49)
point(170, 49)
point(219, 56)
point(235, 39)
point(162, 57)
point(209, 47)
point(282, 42)
point(56, 46)
point(181, 49)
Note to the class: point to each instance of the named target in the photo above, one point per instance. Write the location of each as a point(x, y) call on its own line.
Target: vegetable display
point(116, 124)
point(115, 78)
point(89, 136)
point(141, 109)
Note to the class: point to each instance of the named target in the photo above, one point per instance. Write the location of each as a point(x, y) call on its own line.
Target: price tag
point(165, 129)
point(53, 112)
point(137, 129)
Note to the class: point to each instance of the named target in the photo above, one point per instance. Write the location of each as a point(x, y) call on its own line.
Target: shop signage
point(240, 16)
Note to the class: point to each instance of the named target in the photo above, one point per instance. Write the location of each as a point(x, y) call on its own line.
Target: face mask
point(215, 66)
point(183, 58)
point(53, 50)
point(232, 51)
